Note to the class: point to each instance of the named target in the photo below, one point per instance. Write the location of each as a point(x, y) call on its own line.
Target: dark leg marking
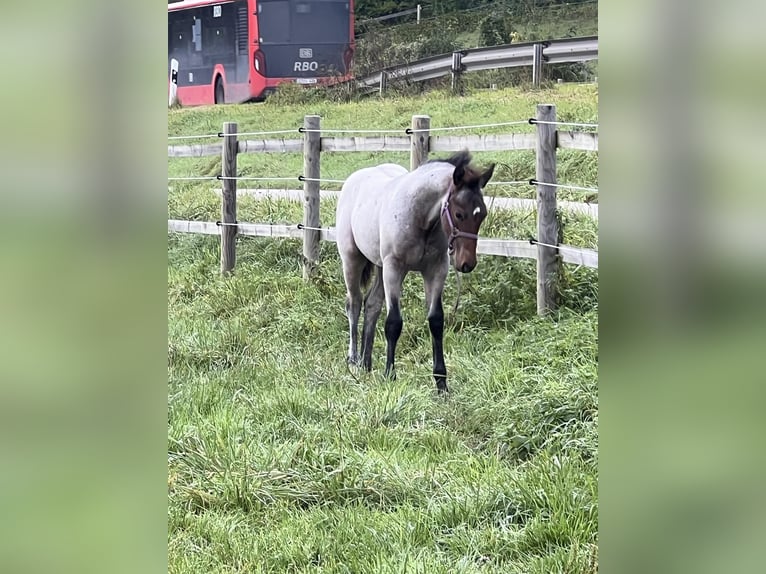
point(436, 325)
point(393, 330)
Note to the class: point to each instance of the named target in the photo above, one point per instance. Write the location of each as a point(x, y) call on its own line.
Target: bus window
point(197, 34)
point(274, 18)
point(283, 22)
point(219, 32)
point(178, 39)
point(321, 22)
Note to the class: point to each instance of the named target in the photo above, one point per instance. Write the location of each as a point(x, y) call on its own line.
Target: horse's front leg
point(434, 285)
point(393, 277)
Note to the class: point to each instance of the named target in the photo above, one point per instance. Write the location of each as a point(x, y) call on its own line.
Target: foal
point(390, 221)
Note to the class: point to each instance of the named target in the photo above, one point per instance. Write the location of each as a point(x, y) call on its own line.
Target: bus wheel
point(218, 90)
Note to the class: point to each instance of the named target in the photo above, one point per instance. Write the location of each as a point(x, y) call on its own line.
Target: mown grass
point(574, 102)
point(281, 459)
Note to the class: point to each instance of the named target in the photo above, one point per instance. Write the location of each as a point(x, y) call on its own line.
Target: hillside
point(450, 26)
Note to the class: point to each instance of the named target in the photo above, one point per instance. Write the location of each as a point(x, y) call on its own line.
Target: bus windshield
point(304, 21)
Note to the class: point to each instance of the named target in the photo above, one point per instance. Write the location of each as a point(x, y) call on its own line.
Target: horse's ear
point(458, 174)
point(486, 176)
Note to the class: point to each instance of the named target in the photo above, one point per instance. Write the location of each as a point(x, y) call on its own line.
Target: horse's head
point(463, 210)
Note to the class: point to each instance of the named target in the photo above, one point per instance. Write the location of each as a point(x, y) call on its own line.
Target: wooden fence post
point(548, 260)
point(311, 141)
point(419, 141)
point(456, 70)
point(229, 197)
point(537, 65)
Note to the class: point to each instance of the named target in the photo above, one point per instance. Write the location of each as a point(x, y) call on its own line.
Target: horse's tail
point(367, 271)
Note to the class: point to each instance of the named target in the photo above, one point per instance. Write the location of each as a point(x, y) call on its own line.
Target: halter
point(455, 233)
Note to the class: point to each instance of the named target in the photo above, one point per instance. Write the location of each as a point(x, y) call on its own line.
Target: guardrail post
point(537, 65)
point(419, 141)
point(548, 260)
point(311, 171)
point(456, 70)
point(229, 198)
point(383, 82)
point(173, 94)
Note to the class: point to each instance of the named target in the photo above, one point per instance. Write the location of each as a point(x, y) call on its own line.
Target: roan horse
point(390, 221)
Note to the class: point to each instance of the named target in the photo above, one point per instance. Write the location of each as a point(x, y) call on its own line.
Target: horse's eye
point(459, 215)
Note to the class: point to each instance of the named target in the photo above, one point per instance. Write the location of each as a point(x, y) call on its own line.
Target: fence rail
point(545, 249)
point(533, 54)
point(485, 246)
point(492, 202)
point(392, 16)
point(488, 142)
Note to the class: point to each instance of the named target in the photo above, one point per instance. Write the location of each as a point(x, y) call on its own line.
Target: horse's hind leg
point(353, 269)
point(373, 304)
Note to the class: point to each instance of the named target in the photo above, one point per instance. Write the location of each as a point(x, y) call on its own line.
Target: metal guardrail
point(491, 58)
point(390, 16)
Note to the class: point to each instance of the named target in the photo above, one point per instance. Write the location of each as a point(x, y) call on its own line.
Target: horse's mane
point(461, 159)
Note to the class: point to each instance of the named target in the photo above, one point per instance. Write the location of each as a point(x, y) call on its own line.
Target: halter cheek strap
point(455, 232)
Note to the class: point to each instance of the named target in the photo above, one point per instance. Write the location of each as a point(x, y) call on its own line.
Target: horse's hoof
point(352, 361)
point(441, 383)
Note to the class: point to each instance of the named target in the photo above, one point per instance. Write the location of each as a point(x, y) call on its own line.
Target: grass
point(194, 200)
point(281, 459)
point(573, 102)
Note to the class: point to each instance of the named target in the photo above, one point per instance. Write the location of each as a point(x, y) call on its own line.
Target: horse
point(390, 221)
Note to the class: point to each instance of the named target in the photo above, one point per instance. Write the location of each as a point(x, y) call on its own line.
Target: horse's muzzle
point(467, 267)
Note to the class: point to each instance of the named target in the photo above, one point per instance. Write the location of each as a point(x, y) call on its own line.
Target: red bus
point(231, 51)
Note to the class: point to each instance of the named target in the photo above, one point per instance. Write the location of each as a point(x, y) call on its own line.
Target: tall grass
point(280, 459)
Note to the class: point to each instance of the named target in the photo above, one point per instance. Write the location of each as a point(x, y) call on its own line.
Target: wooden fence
point(419, 143)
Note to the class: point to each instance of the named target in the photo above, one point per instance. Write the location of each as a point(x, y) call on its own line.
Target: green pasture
point(282, 459)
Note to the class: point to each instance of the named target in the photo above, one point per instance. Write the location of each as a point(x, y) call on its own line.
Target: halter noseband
point(455, 233)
